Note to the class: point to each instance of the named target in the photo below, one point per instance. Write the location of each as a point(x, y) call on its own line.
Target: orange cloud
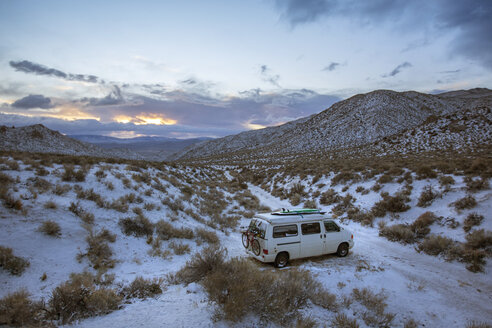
point(145, 118)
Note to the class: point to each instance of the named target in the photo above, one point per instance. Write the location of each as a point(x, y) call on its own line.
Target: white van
point(291, 234)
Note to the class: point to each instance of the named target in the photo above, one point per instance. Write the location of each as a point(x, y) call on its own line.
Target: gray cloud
point(33, 68)
point(113, 98)
point(268, 76)
point(331, 67)
point(33, 101)
point(398, 69)
point(469, 20)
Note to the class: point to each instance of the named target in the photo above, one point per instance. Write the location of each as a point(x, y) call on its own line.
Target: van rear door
point(312, 239)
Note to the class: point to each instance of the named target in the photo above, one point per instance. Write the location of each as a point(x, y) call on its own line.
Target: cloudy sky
point(212, 68)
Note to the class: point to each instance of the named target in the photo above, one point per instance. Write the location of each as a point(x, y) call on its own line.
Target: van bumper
point(265, 258)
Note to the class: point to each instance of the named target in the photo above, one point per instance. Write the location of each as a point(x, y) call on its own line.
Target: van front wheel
point(281, 260)
point(343, 250)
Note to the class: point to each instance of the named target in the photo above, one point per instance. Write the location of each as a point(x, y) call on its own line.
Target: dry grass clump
point(91, 195)
point(329, 197)
point(342, 321)
point(476, 324)
point(98, 251)
point(70, 175)
point(179, 248)
point(398, 232)
point(86, 217)
point(174, 205)
point(310, 204)
point(366, 218)
point(80, 297)
point(11, 202)
point(166, 231)
point(207, 236)
point(346, 203)
point(421, 225)
point(61, 189)
point(466, 202)
point(435, 245)
point(201, 264)
point(41, 184)
point(14, 264)
point(392, 204)
point(425, 172)
point(50, 228)
point(427, 196)
point(18, 310)
point(50, 205)
point(325, 299)
point(139, 226)
point(385, 178)
point(473, 219)
point(474, 185)
point(375, 305)
point(446, 181)
point(272, 296)
point(142, 288)
point(344, 177)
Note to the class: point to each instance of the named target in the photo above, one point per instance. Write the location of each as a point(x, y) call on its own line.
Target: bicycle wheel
point(245, 240)
point(255, 247)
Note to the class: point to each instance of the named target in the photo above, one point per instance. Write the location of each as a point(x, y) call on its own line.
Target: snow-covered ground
point(433, 292)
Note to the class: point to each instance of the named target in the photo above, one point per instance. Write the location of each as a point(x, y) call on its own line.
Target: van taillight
point(352, 236)
point(265, 251)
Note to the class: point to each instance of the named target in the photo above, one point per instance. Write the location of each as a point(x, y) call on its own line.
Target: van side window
point(331, 226)
point(310, 228)
point(285, 231)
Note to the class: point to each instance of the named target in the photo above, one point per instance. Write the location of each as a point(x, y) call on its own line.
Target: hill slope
point(39, 139)
point(360, 120)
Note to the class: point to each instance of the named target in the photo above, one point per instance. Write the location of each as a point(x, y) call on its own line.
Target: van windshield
point(258, 227)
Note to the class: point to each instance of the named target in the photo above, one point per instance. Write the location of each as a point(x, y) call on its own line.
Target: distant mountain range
point(150, 148)
point(375, 123)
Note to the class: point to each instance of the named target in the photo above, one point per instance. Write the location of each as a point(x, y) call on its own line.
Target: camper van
point(292, 234)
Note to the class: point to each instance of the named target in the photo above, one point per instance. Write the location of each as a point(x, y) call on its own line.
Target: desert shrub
point(466, 202)
point(329, 197)
point(207, 236)
point(11, 202)
point(398, 232)
point(91, 195)
point(342, 321)
point(345, 204)
point(295, 199)
point(99, 252)
point(476, 324)
point(473, 219)
point(446, 181)
point(385, 178)
point(474, 185)
point(366, 218)
point(50, 205)
point(149, 206)
point(14, 264)
point(40, 184)
point(392, 204)
point(18, 310)
point(421, 225)
point(376, 305)
point(61, 189)
point(377, 187)
point(176, 205)
point(425, 172)
point(119, 205)
point(410, 323)
point(325, 299)
point(435, 245)
point(344, 177)
point(71, 175)
point(272, 296)
point(427, 196)
point(51, 228)
point(166, 231)
point(310, 204)
point(201, 264)
point(479, 239)
point(359, 189)
point(139, 226)
point(80, 297)
point(179, 248)
point(142, 288)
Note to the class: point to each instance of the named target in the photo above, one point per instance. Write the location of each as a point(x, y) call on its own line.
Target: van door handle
point(324, 235)
point(321, 236)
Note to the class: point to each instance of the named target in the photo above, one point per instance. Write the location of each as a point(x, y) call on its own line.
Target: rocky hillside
point(39, 139)
point(361, 120)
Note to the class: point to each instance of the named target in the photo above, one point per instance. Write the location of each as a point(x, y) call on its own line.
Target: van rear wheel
point(281, 260)
point(342, 250)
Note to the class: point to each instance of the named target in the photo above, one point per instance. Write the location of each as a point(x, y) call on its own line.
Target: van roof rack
point(303, 211)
